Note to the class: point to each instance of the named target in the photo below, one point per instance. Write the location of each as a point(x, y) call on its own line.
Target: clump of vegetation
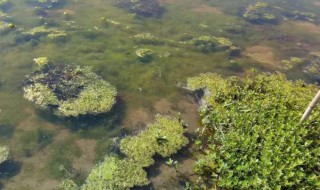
point(147, 38)
point(68, 90)
point(259, 12)
point(252, 135)
point(116, 174)
point(68, 184)
point(52, 33)
point(145, 55)
point(5, 27)
point(4, 154)
point(209, 44)
point(164, 136)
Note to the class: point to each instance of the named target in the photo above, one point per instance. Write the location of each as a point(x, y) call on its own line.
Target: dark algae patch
point(82, 83)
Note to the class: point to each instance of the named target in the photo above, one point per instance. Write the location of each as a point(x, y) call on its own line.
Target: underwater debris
point(4, 154)
point(68, 90)
point(145, 55)
point(258, 13)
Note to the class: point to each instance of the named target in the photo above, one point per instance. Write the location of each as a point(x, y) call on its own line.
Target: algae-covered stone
point(68, 185)
point(212, 43)
point(145, 55)
point(165, 137)
point(259, 12)
point(69, 90)
point(147, 8)
point(4, 153)
point(115, 174)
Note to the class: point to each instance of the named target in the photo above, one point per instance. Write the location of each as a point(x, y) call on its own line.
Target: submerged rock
point(68, 90)
point(258, 13)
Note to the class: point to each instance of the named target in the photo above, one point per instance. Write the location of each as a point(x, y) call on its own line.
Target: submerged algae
point(259, 12)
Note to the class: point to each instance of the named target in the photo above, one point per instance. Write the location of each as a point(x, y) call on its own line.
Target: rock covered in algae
point(4, 153)
point(115, 174)
point(5, 27)
point(165, 137)
point(259, 12)
point(68, 90)
point(145, 55)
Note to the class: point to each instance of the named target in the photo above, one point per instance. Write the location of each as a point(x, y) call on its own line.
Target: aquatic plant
point(41, 61)
point(252, 137)
point(69, 90)
point(210, 44)
point(259, 12)
point(116, 174)
point(147, 38)
point(4, 154)
point(145, 55)
point(5, 27)
point(39, 31)
point(68, 184)
point(164, 137)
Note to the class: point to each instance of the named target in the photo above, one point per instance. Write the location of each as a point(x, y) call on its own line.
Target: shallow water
point(45, 148)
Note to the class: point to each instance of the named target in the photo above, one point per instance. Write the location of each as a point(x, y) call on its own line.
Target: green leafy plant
point(252, 135)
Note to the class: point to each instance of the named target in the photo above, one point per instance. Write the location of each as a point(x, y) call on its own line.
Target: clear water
point(45, 149)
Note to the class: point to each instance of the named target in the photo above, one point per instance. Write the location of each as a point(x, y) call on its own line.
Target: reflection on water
point(102, 34)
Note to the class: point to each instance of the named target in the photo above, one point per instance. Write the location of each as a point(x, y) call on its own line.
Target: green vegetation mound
point(258, 13)
point(252, 135)
point(68, 90)
point(164, 136)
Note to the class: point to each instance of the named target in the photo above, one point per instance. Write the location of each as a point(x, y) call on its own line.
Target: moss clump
point(164, 137)
point(145, 55)
point(115, 174)
point(252, 135)
point(259, 12)
point(69, 90)
point(52, 33)
point(4, 154)
point(210, 44)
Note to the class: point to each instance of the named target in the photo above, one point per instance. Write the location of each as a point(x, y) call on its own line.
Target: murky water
point(101, 34)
